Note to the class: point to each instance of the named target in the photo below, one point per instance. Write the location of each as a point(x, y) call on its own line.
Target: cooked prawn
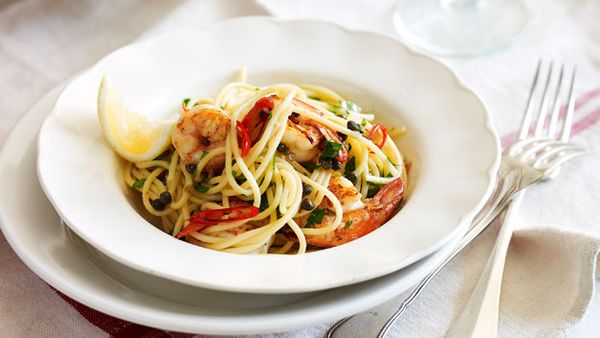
point(346, 193)
point(358, 221)
point(198, 130)
point(303, 136)
point(202, 129)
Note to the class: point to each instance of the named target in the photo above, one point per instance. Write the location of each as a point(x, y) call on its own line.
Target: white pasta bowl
point(451, 144)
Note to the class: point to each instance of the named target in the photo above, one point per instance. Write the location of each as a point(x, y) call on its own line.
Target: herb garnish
point(138, 183)
point(349, 223)
point(373, 189)
point(331, 149)
point(264, 202)
point(315, 217)
point(350, 165)
point(309, 165)
point(350, 107)
point(200, 187)
point(363, 122)
point(186, 101)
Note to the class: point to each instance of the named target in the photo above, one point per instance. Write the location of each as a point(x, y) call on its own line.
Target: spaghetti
point(274, 169)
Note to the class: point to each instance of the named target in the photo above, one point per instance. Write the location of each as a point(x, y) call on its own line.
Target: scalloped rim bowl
point(451, 143)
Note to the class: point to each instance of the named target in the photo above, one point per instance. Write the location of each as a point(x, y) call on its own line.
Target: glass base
point(460, 27)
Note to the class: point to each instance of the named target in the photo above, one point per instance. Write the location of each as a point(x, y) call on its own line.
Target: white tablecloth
point(43, 42)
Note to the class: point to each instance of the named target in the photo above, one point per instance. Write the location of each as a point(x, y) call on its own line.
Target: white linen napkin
point(547, 287)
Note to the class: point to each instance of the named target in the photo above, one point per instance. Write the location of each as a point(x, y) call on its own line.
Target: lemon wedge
point(131, 135)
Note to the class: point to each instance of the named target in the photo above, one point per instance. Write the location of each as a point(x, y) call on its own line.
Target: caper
point(306, 189)
point(342, 136)
point(165, 197)
point(191, 168)
point(282, 148)
point(352, 125)
point(335, 164)
point(307, 204)
point(158, 205)
point(325, 163)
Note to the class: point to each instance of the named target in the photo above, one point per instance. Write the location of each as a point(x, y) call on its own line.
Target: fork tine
point(558, 151)
point(554, 166)
point(541, 115)
point(555, 110)
point(566, 131)
point(535, 147)
point(527, 115)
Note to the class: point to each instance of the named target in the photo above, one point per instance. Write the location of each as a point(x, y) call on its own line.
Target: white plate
point(33, 229)
point(451, 144)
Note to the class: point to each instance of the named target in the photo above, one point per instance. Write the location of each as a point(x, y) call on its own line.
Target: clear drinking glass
point(460, 27)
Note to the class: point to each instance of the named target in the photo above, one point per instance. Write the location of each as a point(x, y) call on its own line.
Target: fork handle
point(506, 188)
point(479, 317)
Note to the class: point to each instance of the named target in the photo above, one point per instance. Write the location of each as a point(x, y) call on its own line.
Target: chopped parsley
point(349, 223)
point(316, 98)
point(363, 122)
point(204, 153)
point(264, 202)
point(350, 107)
point(309, 165)
point(200, 187)
point(350, 165)
point(331, 149)
point(186, 101)
point(240, 179)
point(138, 183)
point(315, 217)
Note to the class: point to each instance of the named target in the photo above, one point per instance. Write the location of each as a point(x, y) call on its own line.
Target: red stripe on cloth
point(580, 102)
point(118, 328)
point(586, 122)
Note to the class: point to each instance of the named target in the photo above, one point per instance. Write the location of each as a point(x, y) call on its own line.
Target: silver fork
point(526, 162)
point(479, 318)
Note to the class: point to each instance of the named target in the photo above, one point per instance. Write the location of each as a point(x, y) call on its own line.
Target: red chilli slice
point(243, 138)
point(205, 218)
point(258, 116)
point(378, 128)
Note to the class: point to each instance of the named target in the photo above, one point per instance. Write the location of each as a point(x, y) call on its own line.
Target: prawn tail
point(387, 200)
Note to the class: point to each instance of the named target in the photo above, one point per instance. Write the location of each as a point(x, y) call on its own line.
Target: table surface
point(44, 42)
